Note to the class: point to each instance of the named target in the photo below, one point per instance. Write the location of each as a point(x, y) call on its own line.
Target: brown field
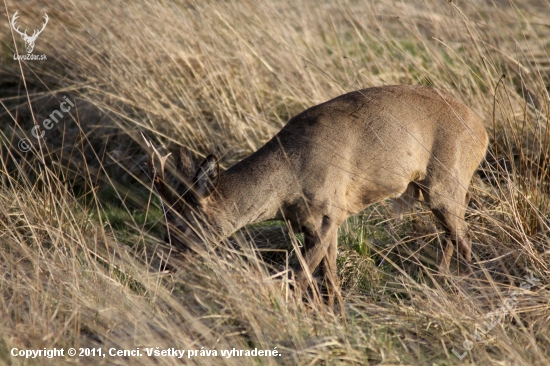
point(81, 235)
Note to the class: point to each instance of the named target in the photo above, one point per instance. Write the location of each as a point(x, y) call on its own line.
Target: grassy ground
point(81, 235)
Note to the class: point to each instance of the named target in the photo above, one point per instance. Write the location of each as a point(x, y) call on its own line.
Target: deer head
point(186, 208)
point(29, 40)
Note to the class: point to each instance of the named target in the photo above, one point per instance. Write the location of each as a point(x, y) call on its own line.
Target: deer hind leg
point(447, 202)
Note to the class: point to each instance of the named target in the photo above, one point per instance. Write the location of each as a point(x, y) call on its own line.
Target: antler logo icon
point(29, 40)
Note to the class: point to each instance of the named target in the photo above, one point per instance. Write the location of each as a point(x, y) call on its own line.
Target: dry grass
point(81, 236)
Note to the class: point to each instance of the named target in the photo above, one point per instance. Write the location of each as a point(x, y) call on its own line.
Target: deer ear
point(186, 166)
point(207, 177)
point(185, 170)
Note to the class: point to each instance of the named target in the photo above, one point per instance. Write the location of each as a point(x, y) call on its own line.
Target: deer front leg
point(331, 274)
point(317, 249)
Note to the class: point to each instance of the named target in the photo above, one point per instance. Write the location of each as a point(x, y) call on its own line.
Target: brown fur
point(333, 160)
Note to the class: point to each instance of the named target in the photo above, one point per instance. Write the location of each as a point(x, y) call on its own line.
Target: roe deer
point(332, 161)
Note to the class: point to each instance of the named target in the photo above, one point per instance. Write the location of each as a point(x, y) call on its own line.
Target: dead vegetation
point(81, 235)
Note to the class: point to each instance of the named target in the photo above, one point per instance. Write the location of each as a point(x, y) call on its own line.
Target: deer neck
point(253, 190)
